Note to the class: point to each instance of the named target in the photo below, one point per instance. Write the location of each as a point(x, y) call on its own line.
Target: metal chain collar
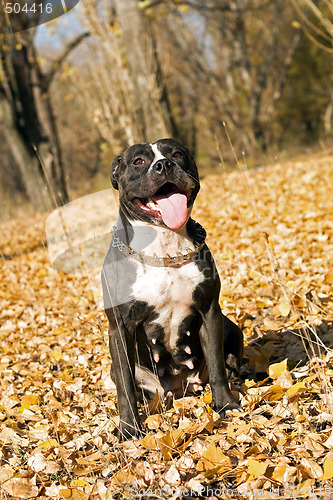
point(156, 261)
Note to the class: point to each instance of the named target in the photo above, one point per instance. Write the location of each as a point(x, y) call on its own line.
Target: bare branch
point(226, 7)
point(325, 28)
point(48, 77)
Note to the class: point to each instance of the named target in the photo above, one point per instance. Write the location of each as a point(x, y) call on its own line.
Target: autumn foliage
point(271, 234)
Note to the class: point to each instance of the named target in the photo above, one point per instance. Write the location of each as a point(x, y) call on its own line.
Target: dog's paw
point(230, 407)
point(237, 409)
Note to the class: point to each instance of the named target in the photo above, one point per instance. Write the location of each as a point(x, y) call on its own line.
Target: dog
point(167, 333)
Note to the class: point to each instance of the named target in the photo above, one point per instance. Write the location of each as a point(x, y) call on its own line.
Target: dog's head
point(157, 183)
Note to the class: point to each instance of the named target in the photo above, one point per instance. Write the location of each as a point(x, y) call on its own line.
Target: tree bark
point(153, 113)
point(32, 178)
point(30, 121)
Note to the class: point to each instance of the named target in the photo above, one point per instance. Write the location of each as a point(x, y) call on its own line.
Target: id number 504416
point(17, 8)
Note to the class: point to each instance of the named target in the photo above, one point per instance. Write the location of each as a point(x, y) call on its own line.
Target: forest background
point(111, 73)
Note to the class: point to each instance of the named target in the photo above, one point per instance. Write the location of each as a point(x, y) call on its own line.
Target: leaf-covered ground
point(271, 231)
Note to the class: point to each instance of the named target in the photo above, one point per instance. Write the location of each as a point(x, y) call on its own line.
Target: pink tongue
point(173, 209)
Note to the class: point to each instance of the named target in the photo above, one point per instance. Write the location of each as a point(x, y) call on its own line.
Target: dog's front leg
point(212, 340)
point(122, 350)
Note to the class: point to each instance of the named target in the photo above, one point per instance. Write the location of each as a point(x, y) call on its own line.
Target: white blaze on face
point(173, 205)
point(158, 155)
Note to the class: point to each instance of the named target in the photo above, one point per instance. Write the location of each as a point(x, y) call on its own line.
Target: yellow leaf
point(249, 383)
point(276, 369)
point(328, 469)
point(207, 398)
point(282, 473)
point(254, 450)
point(48, 443)
point(149, 442)
point(30, 399)
point(306, 486)
point(282, 309)
point(255, 468)
point(212, 419)
point(213, 458)
point(155, 406)
point(274, 393)
point(78, 482)
point(279, 472)
point(297, 388)
point(310, 379)
point(66, 493)
point(178, 437)
point(56, 354)
point(165, 445)
point(78, 495)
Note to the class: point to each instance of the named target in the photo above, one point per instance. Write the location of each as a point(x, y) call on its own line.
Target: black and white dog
point(161, 288)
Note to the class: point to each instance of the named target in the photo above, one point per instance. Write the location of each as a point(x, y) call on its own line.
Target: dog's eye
point(139, 161)
point(177, 154)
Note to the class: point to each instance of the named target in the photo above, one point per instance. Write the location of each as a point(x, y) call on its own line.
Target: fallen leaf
point(172, 476)
point(276, 369)
point(282, 309)
point(56, 354)
point(311, 469)
point(78, 482)
point(255, 468)
point(149, 442)
point(154, 421)
point(144, 470)
point(273, 393)
point(38, 463)
point(298, 388)
point(122, 476)
point(207, 398)
point(133, 449)
point(21, 487)
point(49, 443)
point(213, 459)
point(6, 473)
point(65, 493)
point(155, 406)
point(166, 445)
point(283, 473)
point(30, 399)
point(328, 469)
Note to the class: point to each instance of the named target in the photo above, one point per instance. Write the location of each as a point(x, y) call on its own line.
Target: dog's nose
point(160, 165)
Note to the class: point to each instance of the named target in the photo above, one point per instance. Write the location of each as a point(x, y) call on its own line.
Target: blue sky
point(52, 36)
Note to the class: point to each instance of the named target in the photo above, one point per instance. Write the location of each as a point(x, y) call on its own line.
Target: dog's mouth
point(169, 204)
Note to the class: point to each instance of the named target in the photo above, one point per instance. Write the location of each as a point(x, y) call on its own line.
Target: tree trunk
point(31, 175)
point(30, 121)
point(153, 113)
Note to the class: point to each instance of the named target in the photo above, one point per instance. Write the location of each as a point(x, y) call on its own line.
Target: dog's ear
point(115, 170)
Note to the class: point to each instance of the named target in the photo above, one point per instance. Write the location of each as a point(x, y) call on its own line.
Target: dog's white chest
point(170, 291)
